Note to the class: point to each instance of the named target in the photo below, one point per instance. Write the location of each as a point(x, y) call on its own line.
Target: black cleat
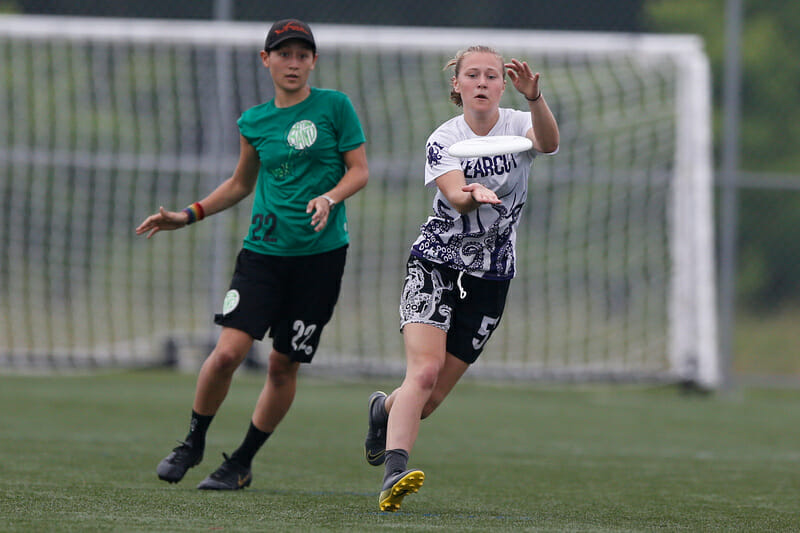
point(174, 466)
point(375, 444)
point(229, 476)
point(398, 487)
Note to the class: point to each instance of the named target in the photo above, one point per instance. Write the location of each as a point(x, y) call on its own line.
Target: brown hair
point(455, 64)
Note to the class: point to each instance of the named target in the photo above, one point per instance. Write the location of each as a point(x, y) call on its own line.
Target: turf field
point(78, 453)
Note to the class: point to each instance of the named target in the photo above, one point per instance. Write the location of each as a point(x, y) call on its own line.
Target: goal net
point(106, 119)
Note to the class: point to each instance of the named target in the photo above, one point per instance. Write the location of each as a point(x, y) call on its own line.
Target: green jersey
point(300, 148)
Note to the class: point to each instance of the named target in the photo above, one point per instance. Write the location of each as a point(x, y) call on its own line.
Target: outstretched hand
point(163, 220)
point(481, 194)
point(523, 78)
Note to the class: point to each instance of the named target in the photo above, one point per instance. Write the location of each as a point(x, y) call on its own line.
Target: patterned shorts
point(466, 307)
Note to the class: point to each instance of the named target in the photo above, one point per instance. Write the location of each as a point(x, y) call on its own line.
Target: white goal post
point(106, 119)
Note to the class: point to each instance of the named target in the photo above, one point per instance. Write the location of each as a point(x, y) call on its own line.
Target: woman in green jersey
point(303, 155)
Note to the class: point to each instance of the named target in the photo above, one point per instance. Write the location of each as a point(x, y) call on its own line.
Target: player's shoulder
point(513, 122)
point(508, 114)
point(328, 95)
point(251, 117)
point(259, 108)
point(449, 131)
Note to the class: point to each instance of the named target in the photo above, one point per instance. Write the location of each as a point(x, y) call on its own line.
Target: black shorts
point(292, 297)
point(466, 307)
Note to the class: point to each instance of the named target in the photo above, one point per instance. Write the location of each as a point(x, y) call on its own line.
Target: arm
point(545, 134)
point(464, 198)
point(228, 193)
point(354, 179)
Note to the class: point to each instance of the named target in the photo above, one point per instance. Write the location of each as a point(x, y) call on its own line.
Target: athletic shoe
point(174, 466)
point(396, 488)
point(375, 445)
point(229, 476)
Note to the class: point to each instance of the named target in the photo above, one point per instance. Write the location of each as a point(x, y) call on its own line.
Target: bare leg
point(450, 374)
point(278, 393)
point(217, 371)
point(452, 371)
point(272, 405)
point(213, 383)
point(425, 358)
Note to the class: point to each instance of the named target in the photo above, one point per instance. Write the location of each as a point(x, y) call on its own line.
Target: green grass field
point(766, 343)
point(78, 453)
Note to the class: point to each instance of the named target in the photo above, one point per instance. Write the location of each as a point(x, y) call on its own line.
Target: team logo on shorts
point(230, 302)
point(302, 135)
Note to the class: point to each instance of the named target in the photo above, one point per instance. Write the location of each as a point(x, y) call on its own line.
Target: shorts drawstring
point(462, 292)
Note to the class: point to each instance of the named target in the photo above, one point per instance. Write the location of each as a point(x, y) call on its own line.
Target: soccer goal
point(106, 119)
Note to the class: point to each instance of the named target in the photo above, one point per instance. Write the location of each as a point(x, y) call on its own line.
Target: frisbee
point(490, 145)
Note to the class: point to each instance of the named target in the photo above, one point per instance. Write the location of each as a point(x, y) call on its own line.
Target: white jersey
point(481, 242)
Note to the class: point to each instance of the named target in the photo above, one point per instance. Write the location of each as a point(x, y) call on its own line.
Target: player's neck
point(284, 98)
point(481, 122)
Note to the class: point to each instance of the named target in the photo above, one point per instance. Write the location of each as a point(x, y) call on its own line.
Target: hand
point(321, 208)
point(523, 78)
point(481, 194)
point(163, 220)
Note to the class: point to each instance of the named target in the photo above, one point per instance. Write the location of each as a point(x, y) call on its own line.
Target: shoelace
point(183, 450)
point(227, 466)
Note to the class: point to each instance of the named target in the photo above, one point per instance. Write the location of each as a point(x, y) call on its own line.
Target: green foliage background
point(769, 257)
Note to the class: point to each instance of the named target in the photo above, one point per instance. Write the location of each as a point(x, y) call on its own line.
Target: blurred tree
point(619, 15)
point(9, 6)
point(769, 255)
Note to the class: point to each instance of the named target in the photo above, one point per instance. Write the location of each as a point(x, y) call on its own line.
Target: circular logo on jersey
point(230, 302)
point(302, 135)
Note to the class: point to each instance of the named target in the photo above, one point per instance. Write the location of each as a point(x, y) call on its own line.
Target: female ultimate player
point(303, 154)
point(460, 267)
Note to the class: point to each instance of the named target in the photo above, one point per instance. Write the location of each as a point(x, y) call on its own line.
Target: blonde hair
point(455, 64)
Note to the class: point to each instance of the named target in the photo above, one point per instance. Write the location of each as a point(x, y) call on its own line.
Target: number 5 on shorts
point(487, 326)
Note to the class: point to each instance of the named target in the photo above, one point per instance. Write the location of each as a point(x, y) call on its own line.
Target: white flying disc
point(490, 145)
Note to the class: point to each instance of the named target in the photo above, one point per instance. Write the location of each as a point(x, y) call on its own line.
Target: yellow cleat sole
point(391, 498)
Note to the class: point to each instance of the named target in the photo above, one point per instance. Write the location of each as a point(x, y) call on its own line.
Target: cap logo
point(291, 26)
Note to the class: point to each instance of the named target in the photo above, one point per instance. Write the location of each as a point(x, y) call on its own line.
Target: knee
point(425, 377)
point(281, 370)
point(226, 359)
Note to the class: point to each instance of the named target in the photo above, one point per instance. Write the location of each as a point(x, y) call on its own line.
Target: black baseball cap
point(286, 29)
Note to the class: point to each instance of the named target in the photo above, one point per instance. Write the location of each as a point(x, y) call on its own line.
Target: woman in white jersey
point(460, 266)
point(301, 154)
